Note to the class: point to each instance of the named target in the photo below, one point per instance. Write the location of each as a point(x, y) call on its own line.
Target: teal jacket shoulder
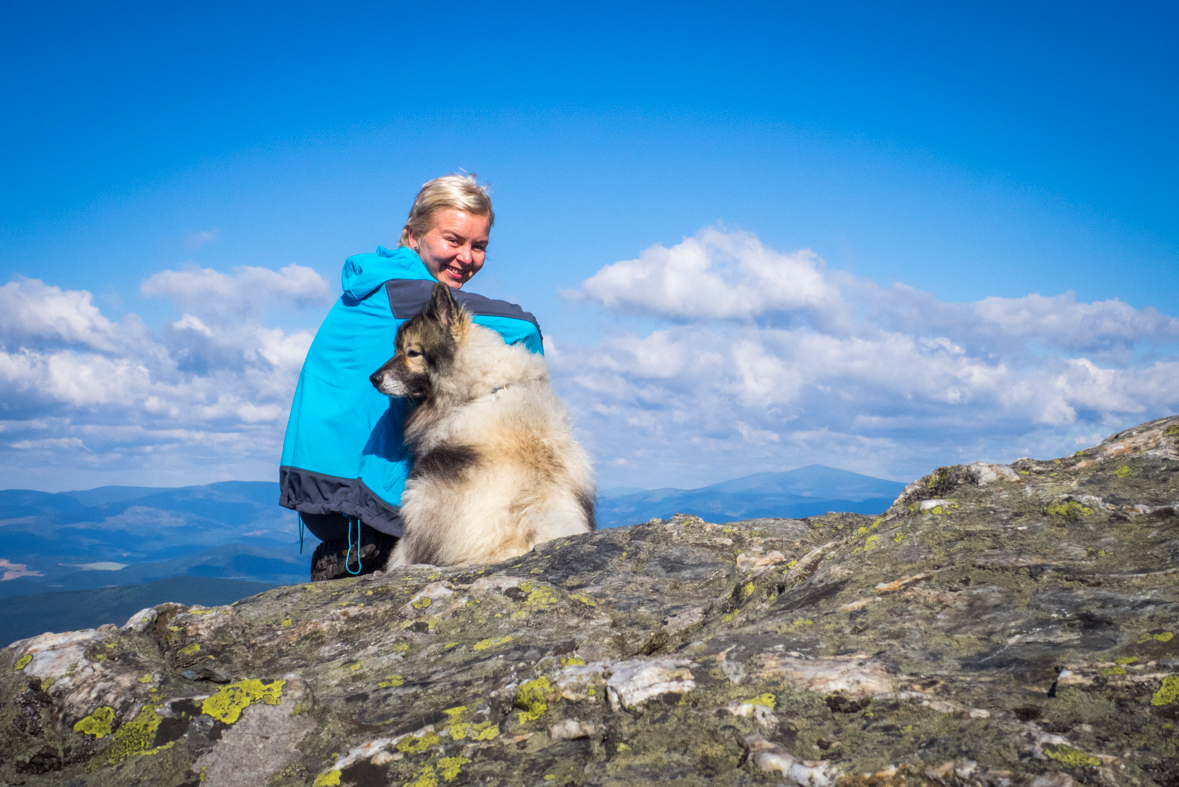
point(343, 450)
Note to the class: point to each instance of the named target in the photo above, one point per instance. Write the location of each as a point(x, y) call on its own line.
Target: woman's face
point(454, 247)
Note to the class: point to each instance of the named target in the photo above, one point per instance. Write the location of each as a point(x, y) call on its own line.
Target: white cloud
point(199, 239)
point(889, 381)
point(715, 275)
point(249, 290)
point(78, 390)
point(35, 314)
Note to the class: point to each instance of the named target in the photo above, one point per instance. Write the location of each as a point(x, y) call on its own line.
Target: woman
point(344, 462)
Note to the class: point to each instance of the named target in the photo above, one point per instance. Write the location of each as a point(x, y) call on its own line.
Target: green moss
point(415, 744)
point(227, 705)
point(97, 723)
point(1122, 471)
point(1070, 511)
point(22, 662)
point(329, 779)
point(191, 649)
point(531, 699)
point(1070, 756)
point(1168, 692)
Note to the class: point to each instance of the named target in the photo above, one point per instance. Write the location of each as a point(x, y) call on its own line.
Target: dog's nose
point(375, 379)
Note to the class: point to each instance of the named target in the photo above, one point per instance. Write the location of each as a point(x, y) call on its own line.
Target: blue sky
point(939, 164)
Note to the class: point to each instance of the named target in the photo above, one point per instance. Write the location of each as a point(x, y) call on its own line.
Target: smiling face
point(454, 247)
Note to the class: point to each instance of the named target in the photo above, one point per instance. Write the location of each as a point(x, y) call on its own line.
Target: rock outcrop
point(998, 625)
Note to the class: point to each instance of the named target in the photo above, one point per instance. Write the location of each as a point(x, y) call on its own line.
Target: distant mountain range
point(58, 535)
point(82, 609)
point(64, 554)
point(792, 494)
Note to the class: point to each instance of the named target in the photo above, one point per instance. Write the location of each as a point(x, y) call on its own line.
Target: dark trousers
point(329, 527)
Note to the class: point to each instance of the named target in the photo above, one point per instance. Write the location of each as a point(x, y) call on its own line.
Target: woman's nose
point(465, 255)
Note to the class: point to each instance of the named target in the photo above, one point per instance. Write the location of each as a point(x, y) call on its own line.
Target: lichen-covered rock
point(1009, 626)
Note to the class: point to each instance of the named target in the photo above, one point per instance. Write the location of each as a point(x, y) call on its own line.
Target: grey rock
point(1007, 626)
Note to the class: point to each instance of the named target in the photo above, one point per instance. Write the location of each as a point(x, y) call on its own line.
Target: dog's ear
point(443, 306)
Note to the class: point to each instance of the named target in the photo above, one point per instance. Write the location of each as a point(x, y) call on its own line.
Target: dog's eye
point(412, 354)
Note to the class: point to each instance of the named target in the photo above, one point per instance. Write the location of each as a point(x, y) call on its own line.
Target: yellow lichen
point(1070, 756)
point(450, 767)
point(1172, 431)
point(484, 644)
point(898, 537)
point(531, 699)
point(871, 542)
point(201, 611)
point(584, 599)
point(541, 596)
point(766, 700)
point(1164, 637)
point(422, 603)
point(792, 564)
point(227, 705)
point(1122, 471)
point(97, 723)
point(191, 649)
point(1125, 660)
point(1168, 692)
point(1108, 671)
point(45, 684)
point(571, 661)
point(145, 679)
point(1071, 510)
point(22, 662)
point(748, 589)
point(286, 622)
point(414, 744)
point(449, 645)
point(329, 779)
point(426, 778)
point(391, 681)
point(135, 738)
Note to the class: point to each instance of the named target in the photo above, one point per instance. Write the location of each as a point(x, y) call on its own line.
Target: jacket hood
point(364, 273)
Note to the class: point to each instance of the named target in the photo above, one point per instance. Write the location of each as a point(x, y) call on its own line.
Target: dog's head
point(426, 346)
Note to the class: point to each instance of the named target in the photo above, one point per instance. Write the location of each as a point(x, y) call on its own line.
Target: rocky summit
point(1000, 625)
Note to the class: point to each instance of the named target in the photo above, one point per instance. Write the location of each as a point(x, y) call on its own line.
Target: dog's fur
point(496, 469)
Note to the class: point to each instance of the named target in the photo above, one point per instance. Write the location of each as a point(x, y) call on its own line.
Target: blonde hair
point(459, 192)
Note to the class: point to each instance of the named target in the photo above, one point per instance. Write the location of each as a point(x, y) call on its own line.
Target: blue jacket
point(344, 451)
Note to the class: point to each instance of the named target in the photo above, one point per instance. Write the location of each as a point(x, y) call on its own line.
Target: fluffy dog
point(496, 469)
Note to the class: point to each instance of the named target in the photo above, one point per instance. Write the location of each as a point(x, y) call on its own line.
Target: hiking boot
point(333, 560)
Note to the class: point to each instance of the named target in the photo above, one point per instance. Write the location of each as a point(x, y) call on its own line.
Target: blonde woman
point(344, 462)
